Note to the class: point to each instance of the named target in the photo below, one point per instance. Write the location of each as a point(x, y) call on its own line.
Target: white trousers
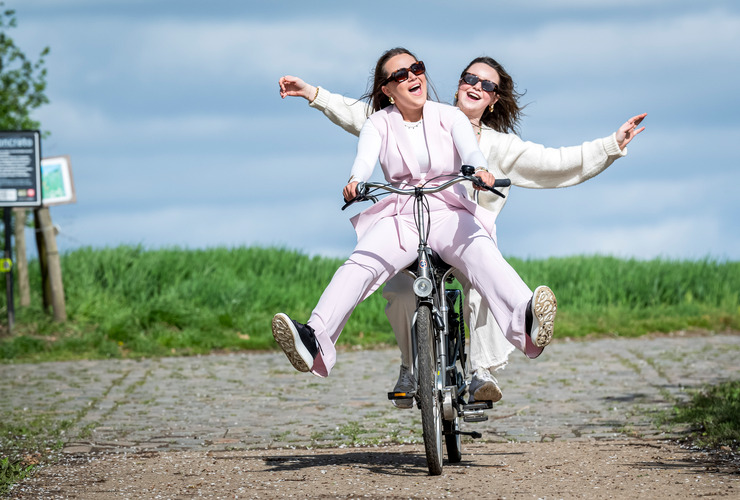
point(489, 349)
point(384, 250)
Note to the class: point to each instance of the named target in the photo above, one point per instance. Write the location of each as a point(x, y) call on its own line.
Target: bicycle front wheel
point(429, 400)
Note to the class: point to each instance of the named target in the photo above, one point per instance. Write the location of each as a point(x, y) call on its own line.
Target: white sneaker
point(484, 387)
point(541, 316)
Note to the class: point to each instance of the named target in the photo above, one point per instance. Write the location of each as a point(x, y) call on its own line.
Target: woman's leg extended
point(463, 243)
point(377, 257)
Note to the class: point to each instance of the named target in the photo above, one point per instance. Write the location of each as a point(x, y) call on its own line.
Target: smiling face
point(410, 95)
point(472, 99)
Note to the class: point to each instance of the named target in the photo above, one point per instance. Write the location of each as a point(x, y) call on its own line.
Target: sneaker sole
point(403, 404)
point(288, 339)
point(487, 392)
point(544, 308)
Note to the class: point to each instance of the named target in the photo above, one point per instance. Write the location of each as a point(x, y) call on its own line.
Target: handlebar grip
point(361, 195)
point(502, 183)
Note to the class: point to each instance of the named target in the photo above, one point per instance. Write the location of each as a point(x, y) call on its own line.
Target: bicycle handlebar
point(466, 174)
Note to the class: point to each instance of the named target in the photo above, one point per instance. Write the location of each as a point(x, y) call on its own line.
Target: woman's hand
point(629, 130)
point(350, 191)
point(486, 177)
point(294, 86)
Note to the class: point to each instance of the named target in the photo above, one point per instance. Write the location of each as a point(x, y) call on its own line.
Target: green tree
point(22, 81)
point(22, 87)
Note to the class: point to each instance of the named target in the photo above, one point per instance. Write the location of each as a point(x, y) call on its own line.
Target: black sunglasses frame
point(402, 74)
point(472, 79)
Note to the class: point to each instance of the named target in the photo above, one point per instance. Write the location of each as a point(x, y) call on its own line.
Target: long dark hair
point(375, 96)
point(507, 111)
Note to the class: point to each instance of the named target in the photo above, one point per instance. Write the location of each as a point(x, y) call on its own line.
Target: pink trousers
point(391, 245)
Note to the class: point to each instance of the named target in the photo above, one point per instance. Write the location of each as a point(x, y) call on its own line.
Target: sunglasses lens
point(401, 75)
point(486, 85)
point(417, 68)
point(470, 79)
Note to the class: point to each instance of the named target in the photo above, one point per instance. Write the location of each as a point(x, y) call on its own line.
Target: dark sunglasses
point(401, 75)
point(472, 79)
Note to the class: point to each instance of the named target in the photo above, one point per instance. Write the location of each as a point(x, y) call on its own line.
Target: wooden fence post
point(46, 240)
point(21, 261)
point(43, 267)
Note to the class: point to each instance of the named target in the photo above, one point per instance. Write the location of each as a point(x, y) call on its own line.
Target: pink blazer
point(400, 167)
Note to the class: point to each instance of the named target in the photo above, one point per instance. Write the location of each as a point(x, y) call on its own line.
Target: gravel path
point(575, 423)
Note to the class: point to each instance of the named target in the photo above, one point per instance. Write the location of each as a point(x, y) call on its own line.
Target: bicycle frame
point(444, 405)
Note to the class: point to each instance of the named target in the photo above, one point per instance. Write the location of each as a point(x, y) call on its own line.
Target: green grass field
point(128, 301)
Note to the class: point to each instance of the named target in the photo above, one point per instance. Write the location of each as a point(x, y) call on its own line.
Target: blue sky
point(170, 113)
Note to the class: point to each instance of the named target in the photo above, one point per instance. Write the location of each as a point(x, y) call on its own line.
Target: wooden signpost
point(27, 181)
point(20, 186)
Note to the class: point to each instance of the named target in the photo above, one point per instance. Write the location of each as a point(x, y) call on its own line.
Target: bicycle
point(438, 333)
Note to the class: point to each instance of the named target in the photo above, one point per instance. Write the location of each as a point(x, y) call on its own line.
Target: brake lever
point(479, 182)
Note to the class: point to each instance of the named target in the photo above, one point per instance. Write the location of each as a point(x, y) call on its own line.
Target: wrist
point(313, 93)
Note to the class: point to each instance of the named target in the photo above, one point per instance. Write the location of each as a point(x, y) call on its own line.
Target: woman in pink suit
point(416, 140)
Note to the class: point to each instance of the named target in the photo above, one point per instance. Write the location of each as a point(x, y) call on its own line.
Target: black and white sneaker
point(406, 384)
point(297, 341)
point(540, 316)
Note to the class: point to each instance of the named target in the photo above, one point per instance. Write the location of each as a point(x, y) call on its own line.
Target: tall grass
point(128, 301)
point(632, 297)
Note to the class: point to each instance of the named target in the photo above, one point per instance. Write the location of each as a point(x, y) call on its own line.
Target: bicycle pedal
point(473, 412)
point(472, 434)
point(482, 405)
point(401, 395)
point(475, 416)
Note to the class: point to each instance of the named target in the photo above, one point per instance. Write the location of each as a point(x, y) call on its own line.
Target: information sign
point(56, 179)
point(20, 168)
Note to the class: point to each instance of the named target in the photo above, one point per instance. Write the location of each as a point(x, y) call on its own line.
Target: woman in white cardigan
point(417, 141)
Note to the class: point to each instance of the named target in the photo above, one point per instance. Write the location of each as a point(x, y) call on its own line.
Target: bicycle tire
point(429, 401)
point(453, 440)
point(455, 351)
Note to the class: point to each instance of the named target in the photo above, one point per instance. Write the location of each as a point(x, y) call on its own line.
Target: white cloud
point(681, 43)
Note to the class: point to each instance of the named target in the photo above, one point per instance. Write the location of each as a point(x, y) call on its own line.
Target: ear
point(385, 90)
point(494, 99)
